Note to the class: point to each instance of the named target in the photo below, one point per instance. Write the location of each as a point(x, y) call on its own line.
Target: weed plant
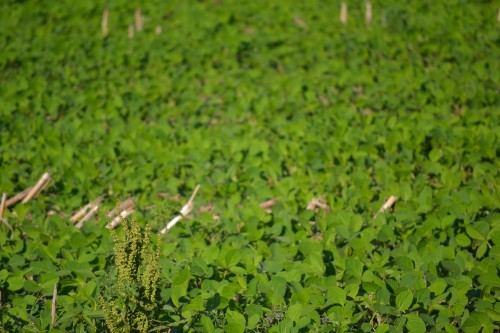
point(128, 298)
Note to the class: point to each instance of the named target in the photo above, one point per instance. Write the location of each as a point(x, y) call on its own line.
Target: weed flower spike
point(129, 298)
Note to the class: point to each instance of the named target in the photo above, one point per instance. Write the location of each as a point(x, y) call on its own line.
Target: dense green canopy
point(254, 101)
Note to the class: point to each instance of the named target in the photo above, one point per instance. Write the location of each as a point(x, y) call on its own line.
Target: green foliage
point(254, 101)
point(129, 296)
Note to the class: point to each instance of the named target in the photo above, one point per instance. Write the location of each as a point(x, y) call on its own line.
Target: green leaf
point(232, 258)
point(294, 312)
point(316, 263)
point(89, 288)
point(182, 277)
point(354, 267)
point(405, 191)
point(81, 269)
point(207, 323)
point(16, 261)
point(15, 283)
point(31, 286)
point(336, 295)
point(272, 266)
point(404, 300)
point(383, 296)
point(438, 286)
point(199, 267)
point(3, 275)
point(463, 240)
point(253, 320)
point(481, 250)
point(236, 323)
point(474, 233)
point(30, 299)
point(382, 328)
point(405, 263)
point(425, 200)
point(435, 155)
point(213, 302)
point(254, 314)
point(494, 315)
point(414, 323)
point(475, 322)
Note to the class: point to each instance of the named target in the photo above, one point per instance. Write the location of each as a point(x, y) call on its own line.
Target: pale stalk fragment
point(117, 220)
point(139, 21)
point(368, 14)
point(300, 22)
point(172, 223)
point(104, 22)
point(158, 29)
point(4, 221)
point(343, 13)
point(18, 197)
point(128, 204)
point(267, 205)
point(131, 31)
point(53, 310)
point(51, 213)
point(210, 208)
point(125, 209)
point(3, 204)
point(87, 216)
point(314, 205)
point(44, 185)
point(37, 188)
point(317, 203)
point(188, 207)
point(78, 215)
point(388, 204)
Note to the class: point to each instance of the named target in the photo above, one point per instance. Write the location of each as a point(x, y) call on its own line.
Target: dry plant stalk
point(168, 196)
point(4, 221)
point(388, 204)
point(300, 22)
point(267, 205)
point(73, 219)
point(3, 204)
point(368, 14)
point(158, 29)
point(104, 22)
point(87, 216)
point(317, 203)
point(118, 219)
point(131, 31)
point(18, 197)
point(139, 22)
point(209, 208)
point(53, 310)
point(83, 211)
point(343, 13)
point(124, 210)
point(125, 205)
point(42, 183)
point(186, 209)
